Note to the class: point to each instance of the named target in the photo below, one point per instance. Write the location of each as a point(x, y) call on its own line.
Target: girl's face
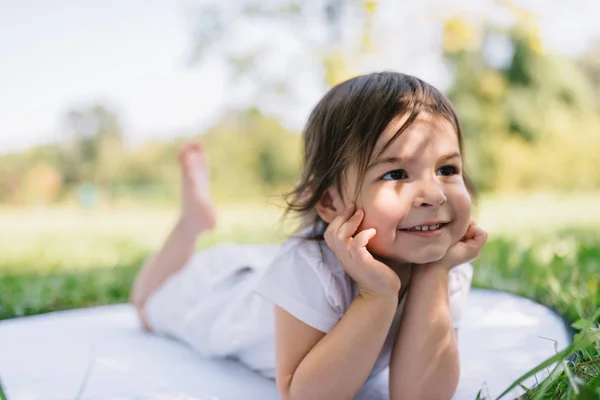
point(414, 195)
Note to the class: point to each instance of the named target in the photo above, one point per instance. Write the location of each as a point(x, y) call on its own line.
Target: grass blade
point(2, 394)
point(580, 344)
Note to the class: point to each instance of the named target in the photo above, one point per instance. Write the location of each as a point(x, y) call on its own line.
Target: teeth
point(425, 227)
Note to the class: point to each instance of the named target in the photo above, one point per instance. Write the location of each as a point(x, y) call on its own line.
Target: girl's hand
point(373, 277)
point(466, 249)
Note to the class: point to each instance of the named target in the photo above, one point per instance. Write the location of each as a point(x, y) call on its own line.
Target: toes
point(192, 158)
point(190, 148)
point(197, 146)
point(186, 150)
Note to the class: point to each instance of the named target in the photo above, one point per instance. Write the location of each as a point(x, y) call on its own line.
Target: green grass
point(559, 270)
point(543, 247)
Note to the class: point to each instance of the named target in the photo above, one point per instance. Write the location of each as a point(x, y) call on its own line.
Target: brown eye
point(395, 175)
point(447, 170)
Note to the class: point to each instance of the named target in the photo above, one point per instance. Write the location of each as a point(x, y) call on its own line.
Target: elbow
point(284, 384)
point(441, 391)
point(286, 392)
point(445, 391)
point(305, 391)
point(445, 388)
point(439, 386)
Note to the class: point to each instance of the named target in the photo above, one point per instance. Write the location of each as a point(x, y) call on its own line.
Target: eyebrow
point(398, 160)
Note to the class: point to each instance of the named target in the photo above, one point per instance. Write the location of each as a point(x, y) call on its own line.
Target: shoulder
point(307, 270)
point(302, 251)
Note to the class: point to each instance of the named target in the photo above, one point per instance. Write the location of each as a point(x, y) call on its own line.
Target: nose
point(429, 194)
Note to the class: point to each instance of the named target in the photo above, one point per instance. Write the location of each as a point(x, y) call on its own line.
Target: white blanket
point(101, 353)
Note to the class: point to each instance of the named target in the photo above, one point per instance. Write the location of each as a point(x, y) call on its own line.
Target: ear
point(330, 205)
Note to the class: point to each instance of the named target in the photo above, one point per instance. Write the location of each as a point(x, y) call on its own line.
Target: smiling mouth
point(426, 228)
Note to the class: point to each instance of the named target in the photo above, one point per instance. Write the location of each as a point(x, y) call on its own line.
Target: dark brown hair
point(344, 126)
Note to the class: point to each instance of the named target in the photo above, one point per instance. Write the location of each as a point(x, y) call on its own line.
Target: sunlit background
point(97, 96)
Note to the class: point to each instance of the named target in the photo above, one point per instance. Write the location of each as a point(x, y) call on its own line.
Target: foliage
point(251, 155)
point(215, 32)
point(530, 119)
point(95, 140)
point(518, 116)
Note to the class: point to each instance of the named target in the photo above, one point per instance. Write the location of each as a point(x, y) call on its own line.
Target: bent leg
point(197, 216)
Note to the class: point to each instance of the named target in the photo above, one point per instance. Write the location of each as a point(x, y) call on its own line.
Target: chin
point(405, 256)
point(426, 258)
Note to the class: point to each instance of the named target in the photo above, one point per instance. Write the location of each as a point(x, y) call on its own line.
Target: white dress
point(222, 302)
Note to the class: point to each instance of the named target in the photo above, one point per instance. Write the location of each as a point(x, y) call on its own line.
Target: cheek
point(382, 210)
point(462, 209)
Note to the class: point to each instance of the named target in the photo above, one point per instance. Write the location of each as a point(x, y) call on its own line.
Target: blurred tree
point(519, 115)
point(251, 155)
point(590, 63)
point(530, 118)
point(37, 175)
point(150, 172)
point(308, 34)
point(477, 92)
point(10, 177)
point(96, 143)
point(42, 184)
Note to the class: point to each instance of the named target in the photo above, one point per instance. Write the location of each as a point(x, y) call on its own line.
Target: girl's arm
point(313, 365)
point(425, 361)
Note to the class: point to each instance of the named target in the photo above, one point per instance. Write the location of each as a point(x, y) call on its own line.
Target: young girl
point(376, 277)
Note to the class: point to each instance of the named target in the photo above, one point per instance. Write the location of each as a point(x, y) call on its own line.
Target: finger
point(358, 245)
point(480, 235)
point(348, 228)
point(469, 232)
point(337, 222)
point(471, 248)
point(349, 211)
point(331, 233)
point(475, 234)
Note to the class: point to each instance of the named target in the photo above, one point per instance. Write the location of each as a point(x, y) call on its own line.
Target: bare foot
point(198, 212)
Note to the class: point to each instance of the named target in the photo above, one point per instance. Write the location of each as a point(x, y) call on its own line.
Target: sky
point(131, 55)
point(134, 56)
